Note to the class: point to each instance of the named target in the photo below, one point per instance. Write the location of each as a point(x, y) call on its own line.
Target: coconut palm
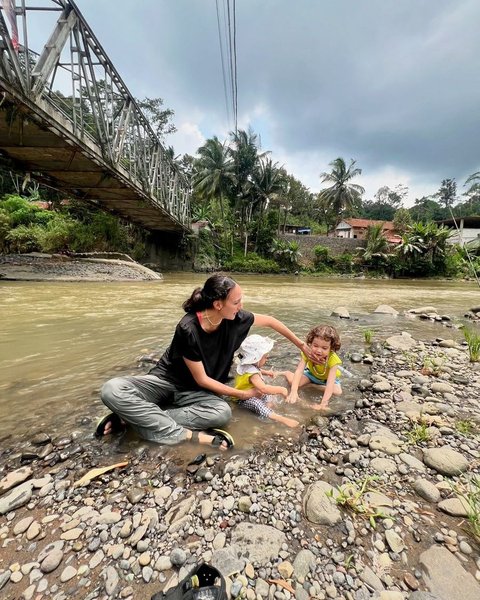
point(342, 196)
point(214, 173)
point(376, 250)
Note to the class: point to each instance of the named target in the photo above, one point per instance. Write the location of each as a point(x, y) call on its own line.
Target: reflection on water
point(60, 341)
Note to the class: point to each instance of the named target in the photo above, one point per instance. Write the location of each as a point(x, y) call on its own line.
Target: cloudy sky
point(393, 84)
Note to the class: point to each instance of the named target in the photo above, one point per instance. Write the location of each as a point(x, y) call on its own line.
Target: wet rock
point(14, 478)
point(17, 497)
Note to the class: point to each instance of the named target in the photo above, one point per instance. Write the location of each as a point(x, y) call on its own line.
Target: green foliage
point(466, 427)
point(286, 254)
point(375, 254)
point(22, 239)
point(56, 236)
point(345, 262)
point(473, 342)
point(352, 497)
point(469, 493)
point(418, 433)
point(251, 263)
point(4, 229)
point(368, 335)
point(423, 250)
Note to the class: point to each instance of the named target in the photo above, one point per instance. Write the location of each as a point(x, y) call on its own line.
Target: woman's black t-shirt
point(215, 350)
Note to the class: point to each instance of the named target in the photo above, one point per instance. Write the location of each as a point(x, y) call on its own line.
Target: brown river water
point(59, 341)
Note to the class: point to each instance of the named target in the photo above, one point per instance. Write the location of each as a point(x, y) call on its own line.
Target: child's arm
point(268, 372)
point(293, 395)
point(264, 388)
point(327, 394)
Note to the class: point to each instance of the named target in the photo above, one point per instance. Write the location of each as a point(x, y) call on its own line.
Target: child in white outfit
point(253, 354)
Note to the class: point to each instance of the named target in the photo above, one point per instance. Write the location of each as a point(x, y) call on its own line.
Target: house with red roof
point(357, 228)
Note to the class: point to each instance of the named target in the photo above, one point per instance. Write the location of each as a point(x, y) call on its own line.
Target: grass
point(471, 494)
point(473, 342)
point(368, 335)
point(466, 427)
point(351, 497)
point(418, 433)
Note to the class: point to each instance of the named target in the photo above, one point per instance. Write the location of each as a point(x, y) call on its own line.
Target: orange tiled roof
point(364, 223)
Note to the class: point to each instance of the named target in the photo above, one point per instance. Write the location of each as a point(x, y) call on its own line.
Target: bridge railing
point(73, 74)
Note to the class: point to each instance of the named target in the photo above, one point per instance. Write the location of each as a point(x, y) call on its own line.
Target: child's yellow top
point(320, 371)
point(242, 379)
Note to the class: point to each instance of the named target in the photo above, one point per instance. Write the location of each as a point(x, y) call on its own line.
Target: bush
point(345, 263)
point(322, 259)
point(23, 238)
point(252, 263)
point(56, 236)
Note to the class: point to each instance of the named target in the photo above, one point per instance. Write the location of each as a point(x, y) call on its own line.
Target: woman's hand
point(247, 394)
point(282, 391)
point(307, 351)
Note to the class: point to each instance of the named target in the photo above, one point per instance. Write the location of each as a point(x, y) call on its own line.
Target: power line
point(230, 34)
point(223, 62)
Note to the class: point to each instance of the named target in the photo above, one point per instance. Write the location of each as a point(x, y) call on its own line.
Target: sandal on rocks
point(116, 423)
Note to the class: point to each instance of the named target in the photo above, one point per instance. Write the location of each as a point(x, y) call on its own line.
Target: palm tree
point(268, 182)
point(214, 173)
point(342, 196)
point(376, 250)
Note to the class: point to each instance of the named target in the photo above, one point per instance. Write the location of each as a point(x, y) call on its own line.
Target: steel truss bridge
point(67, 117)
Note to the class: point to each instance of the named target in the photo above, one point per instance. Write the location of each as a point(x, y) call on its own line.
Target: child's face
point(263, 360)
point(320, 349)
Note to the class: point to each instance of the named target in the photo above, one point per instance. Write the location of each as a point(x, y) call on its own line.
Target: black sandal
point(117, 425)
point(219, 436)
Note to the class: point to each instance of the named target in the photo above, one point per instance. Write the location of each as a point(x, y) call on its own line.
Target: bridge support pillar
point(167, 252)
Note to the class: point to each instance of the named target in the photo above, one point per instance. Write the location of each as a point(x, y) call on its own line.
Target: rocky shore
point(85, 267)
point(381, 501)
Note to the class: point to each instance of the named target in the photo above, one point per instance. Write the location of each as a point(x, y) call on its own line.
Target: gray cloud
point(385, 82)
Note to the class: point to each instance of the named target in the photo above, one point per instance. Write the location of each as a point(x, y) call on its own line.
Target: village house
point(357, 229)
point(466, 229)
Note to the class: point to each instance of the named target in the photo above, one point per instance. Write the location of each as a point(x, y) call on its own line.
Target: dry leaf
point(96, 473)
point(284, 584)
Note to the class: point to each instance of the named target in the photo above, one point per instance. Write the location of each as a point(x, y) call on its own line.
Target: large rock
point(341, 312)
point(14, 478)
point(404, 341)
point(445, 460)
point(384, 309)
point(17, 497)
point(445, 577)
point(319, 505)
point(259, 542)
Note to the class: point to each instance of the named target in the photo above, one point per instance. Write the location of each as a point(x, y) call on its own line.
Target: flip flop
point(118, 426)
point(194, 464)
point(219, 436)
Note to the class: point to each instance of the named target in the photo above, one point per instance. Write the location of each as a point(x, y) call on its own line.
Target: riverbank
point(367, 504)
point(57, 267)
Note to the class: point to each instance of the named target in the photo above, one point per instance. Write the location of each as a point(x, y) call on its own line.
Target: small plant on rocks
point(418, 433)
point(470, 492)
point(473, 342)
point(351, 496)
point(466, 427)
point(368, 335)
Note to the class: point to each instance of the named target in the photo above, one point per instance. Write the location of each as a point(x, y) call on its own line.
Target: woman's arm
point(293, 395)
point(197, 370)
point(273, 323)
point(264, 388)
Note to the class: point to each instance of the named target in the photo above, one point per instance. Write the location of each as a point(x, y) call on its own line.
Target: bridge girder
point(95, 117)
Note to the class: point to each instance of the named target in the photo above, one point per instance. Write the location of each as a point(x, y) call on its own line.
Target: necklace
point(210, 321)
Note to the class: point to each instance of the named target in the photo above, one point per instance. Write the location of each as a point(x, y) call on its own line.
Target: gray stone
point(303, 562)
point(445, 576)
point(261, 542)
point(445, 460)
point(426, 490)
point(456, 507)
point(385, 309)
point(17, 497)
point(319, 507)
point(341, 312)
point(14, 478)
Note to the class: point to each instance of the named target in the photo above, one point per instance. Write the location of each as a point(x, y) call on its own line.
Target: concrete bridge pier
point(166, 251)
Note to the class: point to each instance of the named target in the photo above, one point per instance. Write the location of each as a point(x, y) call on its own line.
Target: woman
point(181, 396)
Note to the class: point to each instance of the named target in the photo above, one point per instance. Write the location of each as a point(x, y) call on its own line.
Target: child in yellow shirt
point(253, 354)
point(322, 370)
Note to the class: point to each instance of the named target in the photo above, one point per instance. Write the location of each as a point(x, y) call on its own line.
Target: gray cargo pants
point(137, 400)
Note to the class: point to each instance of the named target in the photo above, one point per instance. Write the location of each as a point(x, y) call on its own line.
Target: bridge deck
point(70, 165)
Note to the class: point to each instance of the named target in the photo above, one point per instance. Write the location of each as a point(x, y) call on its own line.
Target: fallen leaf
point(283, 583)
point(85, 480)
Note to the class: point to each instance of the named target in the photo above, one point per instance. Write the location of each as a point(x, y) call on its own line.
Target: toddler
point(322, 369)
point(253, 354)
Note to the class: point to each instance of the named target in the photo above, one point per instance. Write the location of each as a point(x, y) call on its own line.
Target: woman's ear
point(217, 304)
